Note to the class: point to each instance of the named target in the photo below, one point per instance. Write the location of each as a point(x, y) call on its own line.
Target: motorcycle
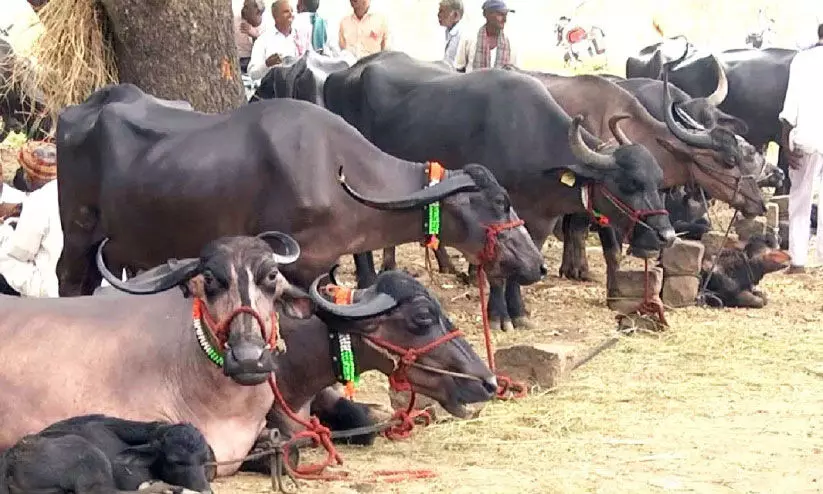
point(580, 44)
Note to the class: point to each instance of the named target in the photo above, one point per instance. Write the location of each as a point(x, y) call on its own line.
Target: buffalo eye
point(424, 318)
point(270, 280)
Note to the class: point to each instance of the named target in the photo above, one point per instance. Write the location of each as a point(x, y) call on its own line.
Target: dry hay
point(70, 59)
point(725, 401)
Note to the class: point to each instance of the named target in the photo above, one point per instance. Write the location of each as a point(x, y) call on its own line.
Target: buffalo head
point(720, 161)
point(237, 283)
point(628, 180)
point(477, 218)
point(398, 310)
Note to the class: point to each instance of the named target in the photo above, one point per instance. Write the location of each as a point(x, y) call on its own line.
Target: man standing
point(363, 33)
point(247, 28)
point(449, 16)
point(274, 45)
point(311, 27)
point(491, 47)
point(802, 121)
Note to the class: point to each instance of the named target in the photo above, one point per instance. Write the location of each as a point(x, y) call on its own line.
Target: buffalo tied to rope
point(277, 163)
point(97, 453)
point(510, 123)
point(145, 357)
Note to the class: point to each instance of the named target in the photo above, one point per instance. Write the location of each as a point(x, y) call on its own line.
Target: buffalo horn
point(583, 152)
point(453, 184)
point(722, 90)
point(617, 131)
point(289, 249)
point(687, 119)
point(375, 304)
point(155, 280)
point(696, 139)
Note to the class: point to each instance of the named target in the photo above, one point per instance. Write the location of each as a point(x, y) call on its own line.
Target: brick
point(772, 216)
point(543, 365)
point(747, 228)
point(714, 242)
point(680, 291)
point(629, 289)
point(683, 257)
point(782, 206)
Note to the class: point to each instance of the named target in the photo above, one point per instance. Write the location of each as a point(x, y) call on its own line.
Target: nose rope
point(635, 216)
point(738, 180)
point(206, 328)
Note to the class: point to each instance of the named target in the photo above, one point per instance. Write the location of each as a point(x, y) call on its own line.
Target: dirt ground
point(724, 401)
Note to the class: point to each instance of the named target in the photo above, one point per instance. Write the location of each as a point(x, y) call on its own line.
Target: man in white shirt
point(802, 121)
point(490, 47)
point(449, 16)
point(274, 45)
point(30, 245)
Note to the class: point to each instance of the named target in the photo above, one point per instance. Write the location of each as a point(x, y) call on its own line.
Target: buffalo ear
point(140, 456)
point(296, 303)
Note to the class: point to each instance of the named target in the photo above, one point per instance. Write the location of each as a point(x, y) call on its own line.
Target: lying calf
point(134, 453)
point(739, 269)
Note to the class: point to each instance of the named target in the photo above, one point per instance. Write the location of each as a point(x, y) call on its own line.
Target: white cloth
point(803, 104)
point(804, 181)
point(29, 253)
point(269, 43)
point(10, 195)
point(453, 39)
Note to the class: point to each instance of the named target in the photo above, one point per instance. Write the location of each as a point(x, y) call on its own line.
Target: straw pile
point(70, 59)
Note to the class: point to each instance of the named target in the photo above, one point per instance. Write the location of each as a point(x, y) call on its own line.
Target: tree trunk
point(178, 49)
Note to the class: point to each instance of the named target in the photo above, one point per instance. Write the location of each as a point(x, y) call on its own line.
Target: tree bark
point(178, 49)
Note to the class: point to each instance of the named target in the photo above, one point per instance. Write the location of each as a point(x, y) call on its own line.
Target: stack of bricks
point(681, 273)
point(629, 289)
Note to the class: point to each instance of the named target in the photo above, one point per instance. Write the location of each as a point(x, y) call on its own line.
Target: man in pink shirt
point(247, 28)
point(364, 33)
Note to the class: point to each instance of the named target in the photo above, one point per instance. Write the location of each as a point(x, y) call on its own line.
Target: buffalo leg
point(612, 253)
point(77, 271)
point(516, 307)
point(747, 299)
point(498, 313)
point(339, 414)
point(444, 262)
point(389, 259)
point(364, 267)
point(575, 266)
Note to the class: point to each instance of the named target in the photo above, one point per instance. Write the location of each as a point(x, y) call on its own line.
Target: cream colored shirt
point(366, 36)
point(29, 253)
point(803, 105)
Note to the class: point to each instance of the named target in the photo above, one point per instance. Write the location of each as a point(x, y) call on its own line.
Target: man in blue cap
point(491, 47)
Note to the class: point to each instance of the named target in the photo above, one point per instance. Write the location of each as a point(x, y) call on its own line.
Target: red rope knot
point(505, 385)
point(408, 419)
point(320, 435)
point(489, 252)
point(634, 215)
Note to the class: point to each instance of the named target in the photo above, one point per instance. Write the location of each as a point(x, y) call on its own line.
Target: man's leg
point(800, 208)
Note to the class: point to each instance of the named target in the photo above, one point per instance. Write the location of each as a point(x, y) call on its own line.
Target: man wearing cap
point(802, 122)
point(31, 244)
point(491, 47)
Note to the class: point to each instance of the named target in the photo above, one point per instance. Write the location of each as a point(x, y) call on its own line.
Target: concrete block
point(629, 289)
point(683, 257)
point(680, 291)
point(782, 206)
point(772, 216)
point(543, 365)
point(714, 242)
point(747, 228)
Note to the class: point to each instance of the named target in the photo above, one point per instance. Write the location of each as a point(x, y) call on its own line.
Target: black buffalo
point(757, 83)
point(509, 122)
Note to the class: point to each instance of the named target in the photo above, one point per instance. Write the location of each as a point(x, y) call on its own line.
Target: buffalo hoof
point(749, 300)
point(523, 322)
point(501, 324)
point(579, 273)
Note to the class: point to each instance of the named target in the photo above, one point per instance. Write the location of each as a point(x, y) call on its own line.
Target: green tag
point(347, 365)
point(434, 219)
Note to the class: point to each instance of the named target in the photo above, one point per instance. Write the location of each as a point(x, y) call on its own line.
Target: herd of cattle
point(166, 374)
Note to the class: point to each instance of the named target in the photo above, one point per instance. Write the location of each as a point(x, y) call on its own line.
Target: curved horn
point(722, 90)
point(583, 152)
point(688, 119)
point(617, 131)
point(454, 184)
point(289, 251)
point(700, 140)
point(376, 304)
point(156, 280)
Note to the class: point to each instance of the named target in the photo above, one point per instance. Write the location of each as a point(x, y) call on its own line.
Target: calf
point(739, 268)
point(143, 451)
